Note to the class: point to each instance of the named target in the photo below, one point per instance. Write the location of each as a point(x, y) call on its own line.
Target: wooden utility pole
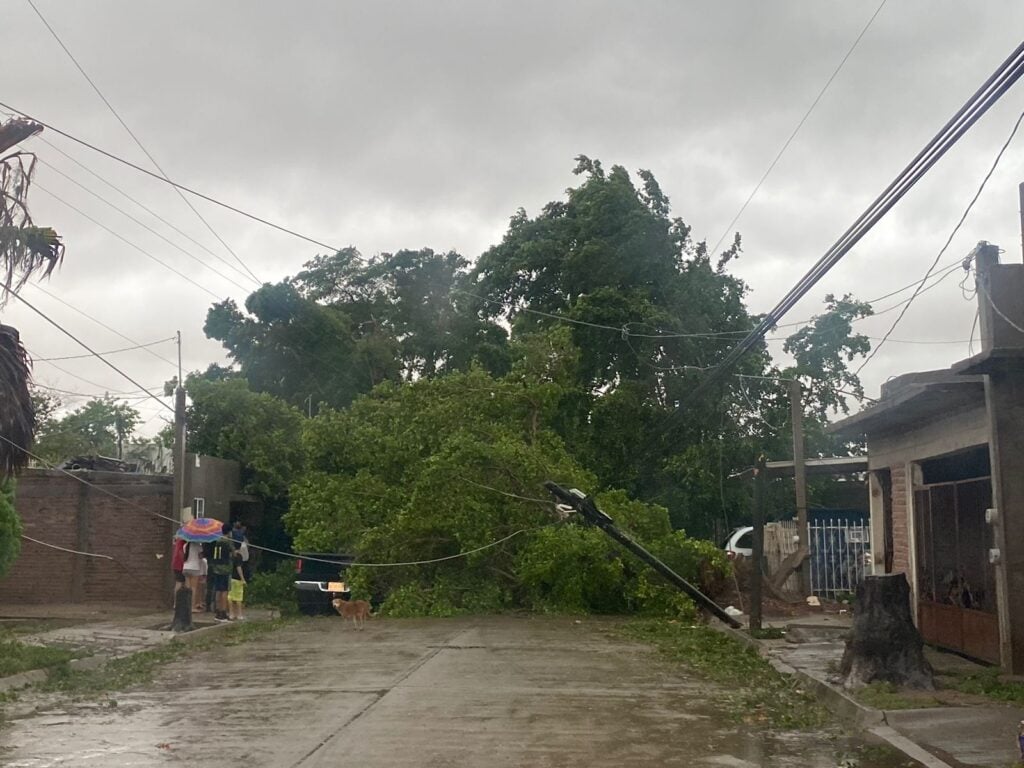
point(800, 482)
point(1020, 194)
point(178, 493)
point(757, 569)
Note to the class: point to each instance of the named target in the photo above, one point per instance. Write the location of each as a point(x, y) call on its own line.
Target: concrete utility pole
point(178, 493)
point(1020, 194)
point(800, 482)
point(757, 567)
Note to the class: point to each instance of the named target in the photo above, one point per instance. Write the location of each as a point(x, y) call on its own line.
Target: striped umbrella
point(201, 529)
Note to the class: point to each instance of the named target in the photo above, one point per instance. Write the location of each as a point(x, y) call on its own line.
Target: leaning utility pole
point(585, 505)
point(800, 482)
point(178, 493)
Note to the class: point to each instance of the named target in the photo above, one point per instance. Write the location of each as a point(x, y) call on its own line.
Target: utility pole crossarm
point(591, 514)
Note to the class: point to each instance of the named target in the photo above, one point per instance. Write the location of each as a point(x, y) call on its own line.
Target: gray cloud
point(391, 125)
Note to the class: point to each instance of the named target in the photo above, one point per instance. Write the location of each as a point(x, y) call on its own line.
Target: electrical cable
point(166, 180)
point(291, 555)
point(135, 138)
point(64, 549)
point(985, 292)
point(108, 352)
point(976, 106)
point(151, 230)
point(84, 380)
point(142, 250)
point(963, 218)
point(85, 346)
point(796, 130)
point(101, 324)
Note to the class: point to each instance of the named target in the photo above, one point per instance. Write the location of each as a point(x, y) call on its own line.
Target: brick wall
point(900, 522)
point(60, 510)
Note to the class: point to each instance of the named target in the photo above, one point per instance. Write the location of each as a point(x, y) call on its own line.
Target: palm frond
point(17, 414)
point(25, 249)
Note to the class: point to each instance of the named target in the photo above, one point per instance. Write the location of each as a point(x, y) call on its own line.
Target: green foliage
point(442, 466)
point(10, 528)
point(987, 683)
point(101, 427)
point(583, 330)
point(885, 695)
point(17, 657)
point(758, 695)
point(273, 589)
point(261, 432)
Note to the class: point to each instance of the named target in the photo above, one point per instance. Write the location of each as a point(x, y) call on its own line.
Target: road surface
point(493, 691)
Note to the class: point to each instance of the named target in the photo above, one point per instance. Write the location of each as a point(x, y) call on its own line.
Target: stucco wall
point(898, 450)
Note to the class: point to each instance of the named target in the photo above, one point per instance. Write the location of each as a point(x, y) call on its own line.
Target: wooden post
point(757, 566)
point(178, 491)
point(800, 482)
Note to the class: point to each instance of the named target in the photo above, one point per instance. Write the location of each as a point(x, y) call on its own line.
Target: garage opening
point(955, 582)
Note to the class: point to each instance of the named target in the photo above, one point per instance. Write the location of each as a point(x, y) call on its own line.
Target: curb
point(33, 676)
point(841, 704)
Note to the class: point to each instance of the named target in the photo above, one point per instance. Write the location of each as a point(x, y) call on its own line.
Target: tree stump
point(182, 610)
point(884, 644)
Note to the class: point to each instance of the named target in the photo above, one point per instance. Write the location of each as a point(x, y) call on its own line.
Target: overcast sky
point(390, 125)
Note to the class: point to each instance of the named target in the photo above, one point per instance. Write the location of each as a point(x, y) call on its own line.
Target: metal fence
point(840, 555)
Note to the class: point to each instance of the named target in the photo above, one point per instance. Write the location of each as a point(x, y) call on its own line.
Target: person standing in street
point(193, 552)
point(178, 563)
point(220, 572)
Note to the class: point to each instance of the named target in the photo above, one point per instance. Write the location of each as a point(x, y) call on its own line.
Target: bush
point(274, 589)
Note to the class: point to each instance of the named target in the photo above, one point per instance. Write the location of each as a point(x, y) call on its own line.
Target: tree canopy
point(565, 351)
point(100, 427)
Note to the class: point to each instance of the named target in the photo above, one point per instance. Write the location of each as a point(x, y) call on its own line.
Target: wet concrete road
point(495, 691)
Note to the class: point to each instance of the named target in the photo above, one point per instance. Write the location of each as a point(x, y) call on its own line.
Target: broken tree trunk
point(182, 610)
point(884, 644)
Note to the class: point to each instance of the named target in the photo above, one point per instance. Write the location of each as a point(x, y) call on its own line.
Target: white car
point(740, 543)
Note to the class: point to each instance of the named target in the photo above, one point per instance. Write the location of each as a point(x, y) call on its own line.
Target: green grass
point(767, 633)
point(985, 683)
point(753, 691)
point(882, 695)
point(16, 657)
point(140, 668)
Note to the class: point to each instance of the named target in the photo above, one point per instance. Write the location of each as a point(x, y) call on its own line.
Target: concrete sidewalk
point(115, 636)
point(980, 733)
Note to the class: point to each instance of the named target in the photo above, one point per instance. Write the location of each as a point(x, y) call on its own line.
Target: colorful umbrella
point(201, 529)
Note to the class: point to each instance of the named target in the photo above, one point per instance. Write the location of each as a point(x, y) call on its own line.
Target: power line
point(985, 292)
point(291, 555)
point(796, 130)
point(150, 229)
point(90, 382)
point(963, 218)
point(108, 352)
point(85, 346)
point(976, 106)
point(135, 138)
point(64, 549)
point(91, 396)
point(101, 324)
point(137, 247)
point(125, 195)
point(174, 184)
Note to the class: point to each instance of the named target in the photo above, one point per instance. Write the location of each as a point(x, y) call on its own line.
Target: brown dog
point(357, 610)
